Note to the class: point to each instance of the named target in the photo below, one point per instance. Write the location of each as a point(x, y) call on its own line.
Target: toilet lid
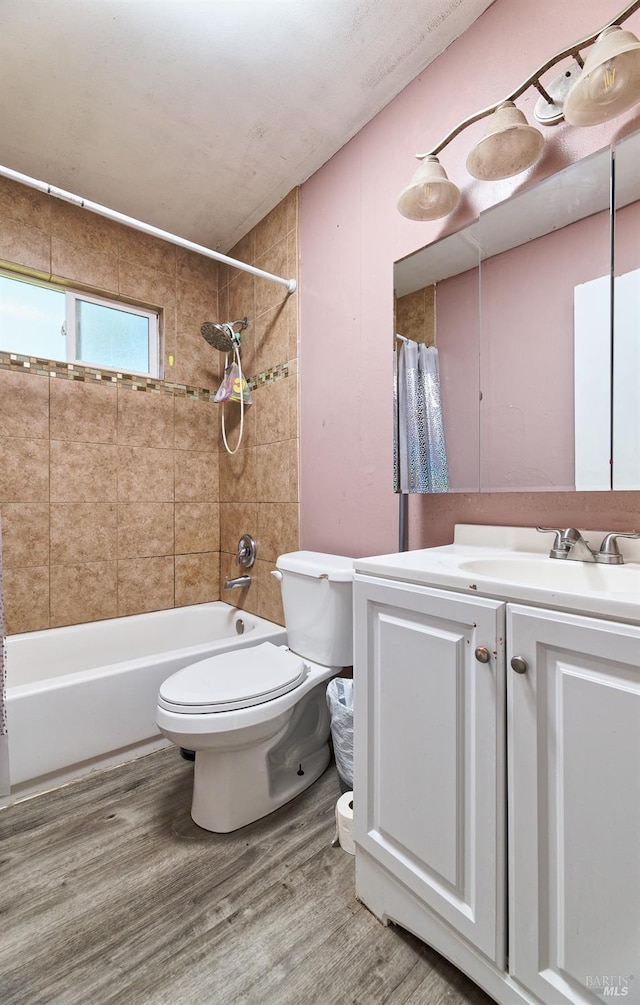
point(239, 679)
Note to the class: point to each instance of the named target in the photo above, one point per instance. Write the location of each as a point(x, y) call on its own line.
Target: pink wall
point(351, 233)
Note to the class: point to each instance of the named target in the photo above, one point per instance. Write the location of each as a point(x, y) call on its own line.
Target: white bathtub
point(84, 696)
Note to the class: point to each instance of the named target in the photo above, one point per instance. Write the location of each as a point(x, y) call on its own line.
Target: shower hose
point(236, 360)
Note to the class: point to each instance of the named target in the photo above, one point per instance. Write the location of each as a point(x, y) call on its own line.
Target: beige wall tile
point(272, 229)
point(269, 595)
point(273, 411)
point(83, 472)
point(167, 343)
point(83, 532)
point(197, 424)
point(145, 584)
point(24, 405)
point(145, 529)
point(85, 230)
point(197, 363)
point(24, 470)
point(24, 246)
point(274, 475)
point(269, 294)
point(415, 315)
point(25, 535)
point(236, 519)
point(84, 265)
point(143, 249)
point(197, 527)
point(293, 447)
point(146, 285)
point(244, 250)
point(81, 593)
point(196, 476)
point(292, 382)
point(83, 411)
point(26, 599)
point(245, 599)
point(145, 474)
point(277, 529)
point(145, 418)
point(272, 337)
point(197, 578)
point(24, 205)
point(291, 201)
point(238, 476)
point(241, 296)
point(232, 420)
point(223, 302)
point(197, 270)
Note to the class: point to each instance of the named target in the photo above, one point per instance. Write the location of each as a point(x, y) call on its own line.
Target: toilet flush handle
point(277, 574)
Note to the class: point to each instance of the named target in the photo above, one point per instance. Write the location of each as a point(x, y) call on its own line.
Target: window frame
point(72, 295)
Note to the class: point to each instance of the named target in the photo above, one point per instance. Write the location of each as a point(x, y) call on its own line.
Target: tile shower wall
point(111, 488)
point(415, 315)
point(259, 484)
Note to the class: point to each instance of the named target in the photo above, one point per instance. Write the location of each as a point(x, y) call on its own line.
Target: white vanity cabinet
point(574, 805)
point(430, 728)
point(485, 794)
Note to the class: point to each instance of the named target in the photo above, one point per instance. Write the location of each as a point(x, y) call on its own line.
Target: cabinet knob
point(519, 664)
point(482, 654)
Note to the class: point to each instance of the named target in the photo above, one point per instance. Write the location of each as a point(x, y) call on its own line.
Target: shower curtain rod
point(146, 228)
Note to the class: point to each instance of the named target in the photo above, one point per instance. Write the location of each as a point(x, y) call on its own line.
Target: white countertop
point(513, 564)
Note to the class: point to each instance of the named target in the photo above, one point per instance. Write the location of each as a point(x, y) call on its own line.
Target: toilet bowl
point(257, 718)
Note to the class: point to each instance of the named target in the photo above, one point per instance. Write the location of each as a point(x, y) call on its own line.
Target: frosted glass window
point(39, 319)
point(113, 337)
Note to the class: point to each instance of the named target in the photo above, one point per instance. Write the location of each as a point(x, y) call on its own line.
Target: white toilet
point(257, 718)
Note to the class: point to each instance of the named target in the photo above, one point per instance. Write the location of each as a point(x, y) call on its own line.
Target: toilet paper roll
point(344, 822)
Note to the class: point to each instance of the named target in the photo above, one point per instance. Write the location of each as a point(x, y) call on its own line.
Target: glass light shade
point(510, 145)
point(610, 81)
point(429, 195)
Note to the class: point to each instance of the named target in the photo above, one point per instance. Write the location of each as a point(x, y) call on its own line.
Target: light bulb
point(607, 82)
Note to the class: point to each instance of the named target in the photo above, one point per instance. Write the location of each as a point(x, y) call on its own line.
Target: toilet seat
point(238, 679)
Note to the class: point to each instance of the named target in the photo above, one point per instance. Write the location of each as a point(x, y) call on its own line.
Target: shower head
point(223, 336)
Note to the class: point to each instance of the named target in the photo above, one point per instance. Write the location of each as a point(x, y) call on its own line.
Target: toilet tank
point(316, 597)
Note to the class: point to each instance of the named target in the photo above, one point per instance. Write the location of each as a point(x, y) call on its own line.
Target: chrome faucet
point(237, 584)
point(570, 545)
point(245, 557)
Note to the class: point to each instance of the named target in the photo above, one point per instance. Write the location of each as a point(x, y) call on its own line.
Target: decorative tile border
point(269, 376)
point(87, 374)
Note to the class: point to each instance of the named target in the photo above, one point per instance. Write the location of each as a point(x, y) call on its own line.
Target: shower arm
point(146, 228)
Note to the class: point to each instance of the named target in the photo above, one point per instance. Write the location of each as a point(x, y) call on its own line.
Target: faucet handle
point(559, 549)
point(609, 553)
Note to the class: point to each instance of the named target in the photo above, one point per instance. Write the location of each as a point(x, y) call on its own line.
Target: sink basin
point(513, 564)
point(557, 575)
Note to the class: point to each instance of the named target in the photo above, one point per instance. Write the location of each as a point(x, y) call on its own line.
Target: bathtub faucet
point(237, 584)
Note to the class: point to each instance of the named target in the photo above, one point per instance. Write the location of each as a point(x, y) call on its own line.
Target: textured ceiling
point(198, 116)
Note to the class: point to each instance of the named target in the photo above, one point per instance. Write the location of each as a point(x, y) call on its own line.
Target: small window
point(42, 320)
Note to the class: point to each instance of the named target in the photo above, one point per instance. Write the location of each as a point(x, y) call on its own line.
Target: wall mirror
point(539, 386)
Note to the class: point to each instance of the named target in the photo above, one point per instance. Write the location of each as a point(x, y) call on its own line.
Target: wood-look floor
point(109, 893)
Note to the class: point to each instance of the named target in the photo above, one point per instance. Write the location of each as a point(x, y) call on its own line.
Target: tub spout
point(237, 584)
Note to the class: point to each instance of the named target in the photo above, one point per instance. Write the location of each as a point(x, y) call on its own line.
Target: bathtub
point(84, 696)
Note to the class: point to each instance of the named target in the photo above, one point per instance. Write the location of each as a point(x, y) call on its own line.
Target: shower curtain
point(4, 739)
point(420, 457)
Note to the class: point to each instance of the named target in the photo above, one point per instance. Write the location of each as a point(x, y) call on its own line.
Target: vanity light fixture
point(588, 92)
point(429, 194)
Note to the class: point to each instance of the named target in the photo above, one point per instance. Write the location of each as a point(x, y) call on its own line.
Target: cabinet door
point(429, 763)
point(574, 806)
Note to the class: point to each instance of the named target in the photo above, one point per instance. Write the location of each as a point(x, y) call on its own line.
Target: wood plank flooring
point(109, 893)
